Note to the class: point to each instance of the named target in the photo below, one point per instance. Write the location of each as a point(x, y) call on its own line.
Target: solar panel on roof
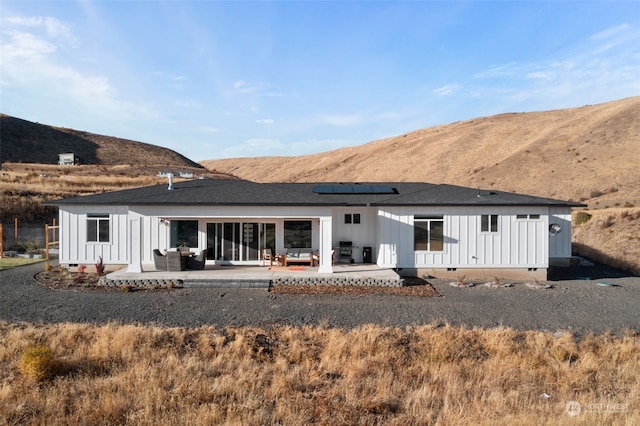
point(353, 189)
point(323, 189)
point(342, 189)
point(383, 189)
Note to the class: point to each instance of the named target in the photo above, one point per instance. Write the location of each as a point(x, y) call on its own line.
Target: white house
point(418, 227)
point(66, 159)
point(186, 174)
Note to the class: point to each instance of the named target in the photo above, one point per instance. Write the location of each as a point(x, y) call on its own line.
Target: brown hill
point(589, 153)
point(27, 142)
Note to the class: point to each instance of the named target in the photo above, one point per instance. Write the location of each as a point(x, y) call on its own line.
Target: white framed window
point(352, 218)
point(98, 228)
point(528, 216)
point(297, 233)
point(489, 223)
point(428, 233)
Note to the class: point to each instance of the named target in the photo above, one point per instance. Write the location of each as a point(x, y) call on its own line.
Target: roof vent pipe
point(170, 188)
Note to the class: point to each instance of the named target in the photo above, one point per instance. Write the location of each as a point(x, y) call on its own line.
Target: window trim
point(487, 219)
point(352, 218)
point(530, 216)
point(290, 230)
point(428, 219)
point(98, 219)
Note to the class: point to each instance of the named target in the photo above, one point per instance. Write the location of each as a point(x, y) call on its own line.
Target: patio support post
point(134, 243)
point(325, 245)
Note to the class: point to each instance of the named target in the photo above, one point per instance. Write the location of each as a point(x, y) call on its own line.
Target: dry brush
point(435, 374)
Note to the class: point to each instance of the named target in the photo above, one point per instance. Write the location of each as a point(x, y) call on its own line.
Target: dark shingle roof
point(239, 192)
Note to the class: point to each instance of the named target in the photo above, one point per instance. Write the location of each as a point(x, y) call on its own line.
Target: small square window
point(534, 216)
point(352, 218)
point(489, 223)
point(521, 216)
point(98, 228)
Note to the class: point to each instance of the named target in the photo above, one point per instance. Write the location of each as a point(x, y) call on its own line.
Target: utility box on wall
point(367, 255)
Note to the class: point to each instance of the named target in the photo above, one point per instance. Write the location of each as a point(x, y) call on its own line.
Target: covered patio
point(235, 276)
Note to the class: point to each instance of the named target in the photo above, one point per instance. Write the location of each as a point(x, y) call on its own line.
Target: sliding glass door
point(239, 241)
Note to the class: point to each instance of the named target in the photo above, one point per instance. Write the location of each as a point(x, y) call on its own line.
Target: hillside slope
point(27, 142)
point(589, 154)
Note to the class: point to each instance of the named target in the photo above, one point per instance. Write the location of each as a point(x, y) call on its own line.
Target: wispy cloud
point(265, 121)
point(37, 62)
point(497, 71)
point(53, 27)
point(24, 46)
point(540, 75)
point(605, 65)
point(611, 32)
point(170, 76)
point(241, 86)
point(447, 89)
point(29, 59)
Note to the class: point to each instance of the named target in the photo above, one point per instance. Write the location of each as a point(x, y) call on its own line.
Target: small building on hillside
point(440, 230)
point(185, 174)
point(67, 159)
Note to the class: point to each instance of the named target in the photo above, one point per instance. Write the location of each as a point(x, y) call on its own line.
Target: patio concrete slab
point(218, 276)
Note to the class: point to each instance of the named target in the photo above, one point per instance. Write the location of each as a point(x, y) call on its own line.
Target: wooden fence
point(50, 236)
point(53, 241)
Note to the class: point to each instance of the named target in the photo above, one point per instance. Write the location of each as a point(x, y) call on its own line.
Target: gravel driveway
point(580, 306)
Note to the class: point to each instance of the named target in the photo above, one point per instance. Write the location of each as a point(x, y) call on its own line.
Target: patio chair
point(175, 261)
point(198, 261)
point(267, 257)
point(159, 260)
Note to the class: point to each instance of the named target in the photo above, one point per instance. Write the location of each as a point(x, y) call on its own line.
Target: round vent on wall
point(554, 229)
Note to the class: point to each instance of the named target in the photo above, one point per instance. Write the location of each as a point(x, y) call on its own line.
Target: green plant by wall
point(581, 217)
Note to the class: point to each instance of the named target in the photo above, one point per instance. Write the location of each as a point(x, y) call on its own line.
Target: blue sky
point(214, 79)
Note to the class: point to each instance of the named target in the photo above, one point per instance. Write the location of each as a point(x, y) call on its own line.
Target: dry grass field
point(23, 186)
point(610, 236)
point(143, 375)
point(46, 181)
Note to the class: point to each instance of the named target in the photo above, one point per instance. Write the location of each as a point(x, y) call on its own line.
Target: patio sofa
point(176, 261)
point(301, 256)
point(159, 260)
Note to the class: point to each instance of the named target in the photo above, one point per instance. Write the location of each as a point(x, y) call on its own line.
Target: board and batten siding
point(518, 242)
point(155, 234)
point(361, 234)
point(74, 247)
point(560, 243)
